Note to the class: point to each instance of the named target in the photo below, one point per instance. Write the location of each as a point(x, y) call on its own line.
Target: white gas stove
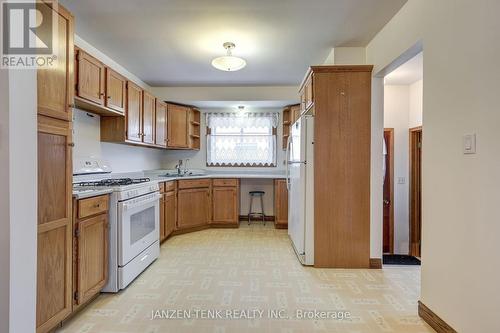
point(134, 217)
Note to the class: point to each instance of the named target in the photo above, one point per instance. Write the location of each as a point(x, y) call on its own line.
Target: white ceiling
point(172, 43)
point(408, 73)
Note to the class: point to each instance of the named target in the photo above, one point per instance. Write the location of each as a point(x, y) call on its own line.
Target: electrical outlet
point(401, 180)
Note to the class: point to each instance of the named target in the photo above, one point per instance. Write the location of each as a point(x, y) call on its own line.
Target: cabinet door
point(295, 110)
point(281, 202)
point(116, 87)
point(92, 263)
point(148, 118)
point(161, 124)
point(170, 212)
point(55, 85)
point(177, 124)
point(134, 112)
point(54, 223)
point(90, 78)
point(193, 207)
point(309, 93)
point(225, 205)
point(162, 216)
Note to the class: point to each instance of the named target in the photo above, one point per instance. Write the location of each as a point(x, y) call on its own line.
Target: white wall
point(396, 114)
point(18, 152)
point(122, 158)
point(460, 268)
point(416, 99)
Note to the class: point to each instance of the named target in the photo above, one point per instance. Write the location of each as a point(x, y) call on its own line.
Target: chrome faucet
point(178, 167)
point(186, 166)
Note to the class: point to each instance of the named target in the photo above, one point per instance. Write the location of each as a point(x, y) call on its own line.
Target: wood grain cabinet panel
point(134, 112)
point(161, 124)
point(92, 254)
point(54, 222)
point(148, 123)
point(91, 78)
point(280, 203)
point(177, 126)
point(170, 202)
point(225, 207)
point(93, 206)
point(55, 86)
point(193, 207)
point(116, 91)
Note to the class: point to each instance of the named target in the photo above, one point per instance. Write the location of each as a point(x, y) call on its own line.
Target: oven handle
point(127, 206)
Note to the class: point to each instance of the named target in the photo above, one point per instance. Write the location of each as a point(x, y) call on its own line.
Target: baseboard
point(375, 263)
point(434, 321)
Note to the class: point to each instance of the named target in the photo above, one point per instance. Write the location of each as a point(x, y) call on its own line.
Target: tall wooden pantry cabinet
point(339, 98)
point(55, 88)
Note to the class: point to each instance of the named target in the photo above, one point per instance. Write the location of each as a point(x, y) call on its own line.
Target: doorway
point(388, 197)
point(415, 213)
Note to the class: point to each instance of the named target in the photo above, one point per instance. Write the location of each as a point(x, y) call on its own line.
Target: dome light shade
point(229, 63)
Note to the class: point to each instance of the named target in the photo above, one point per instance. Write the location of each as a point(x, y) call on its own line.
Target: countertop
point(82, 194)
point(156, 175)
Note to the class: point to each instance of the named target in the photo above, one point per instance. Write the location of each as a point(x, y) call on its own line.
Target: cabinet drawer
point(92, 206)
point(162, 187)
point(194, 183)
point(225, 182)
point(170, 186)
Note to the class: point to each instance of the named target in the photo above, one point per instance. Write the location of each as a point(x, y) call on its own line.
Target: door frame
point(412, 190)
point(390, 168)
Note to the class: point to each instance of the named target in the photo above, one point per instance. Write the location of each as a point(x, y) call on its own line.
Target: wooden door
point(92, 254)
point(295, 109)
point(161, 124)
point(116, 90)
point(170, 212)
point(91, 76)
point(225, 205)
point(415, 191)
point(134, 112)
point(388, 198)
point(177, 126)
point(55, 85)
point(280, 203)
point(193, 207)
point(54, 222)
point(148, 123)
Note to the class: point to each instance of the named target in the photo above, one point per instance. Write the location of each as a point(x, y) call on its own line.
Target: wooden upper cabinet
point(225, 205)
point(148, 118)
point(116, 86)
point(309, 92)
point(55, 86)
point(161, 124)
point(295, 112)
point(280, 203)
point(91, 77)
point(54, 241)
point(134, 112)
point(177, 126)
point(92, 254)
point(194, 206)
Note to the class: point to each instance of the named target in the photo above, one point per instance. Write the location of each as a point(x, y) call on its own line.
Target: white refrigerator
point(300, 184)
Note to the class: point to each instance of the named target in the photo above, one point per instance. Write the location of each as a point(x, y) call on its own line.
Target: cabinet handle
point(109, 97)
point(71, 144)
point(97, 205)
point(101, 94)
point(138, 135)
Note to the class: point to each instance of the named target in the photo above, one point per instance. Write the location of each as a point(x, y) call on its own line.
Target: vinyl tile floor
point(249, 280)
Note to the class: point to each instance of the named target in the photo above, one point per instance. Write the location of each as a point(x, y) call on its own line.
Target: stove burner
point(114, 182)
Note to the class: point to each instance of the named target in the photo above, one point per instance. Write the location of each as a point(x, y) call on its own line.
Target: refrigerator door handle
point(287, 155)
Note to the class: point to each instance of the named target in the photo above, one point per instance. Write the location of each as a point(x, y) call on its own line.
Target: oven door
point(138, 226)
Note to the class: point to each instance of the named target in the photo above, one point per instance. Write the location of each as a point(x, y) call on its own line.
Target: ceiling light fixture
point(229, 63)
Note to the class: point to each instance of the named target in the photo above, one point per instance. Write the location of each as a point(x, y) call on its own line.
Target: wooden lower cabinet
point(280, 203)
point(193, 207)
point(225, 203)
point(170, 205)
point(90, 248)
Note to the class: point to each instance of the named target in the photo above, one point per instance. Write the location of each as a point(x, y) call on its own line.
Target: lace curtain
point(247, 139)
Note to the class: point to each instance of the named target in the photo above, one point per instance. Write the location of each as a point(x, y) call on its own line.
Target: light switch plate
point(469, 143)
point(401, 180)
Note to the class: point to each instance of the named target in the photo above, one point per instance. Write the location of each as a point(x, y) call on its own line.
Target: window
point(241, 139)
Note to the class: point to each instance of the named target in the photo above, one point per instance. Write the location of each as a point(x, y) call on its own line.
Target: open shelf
point(194, 128)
